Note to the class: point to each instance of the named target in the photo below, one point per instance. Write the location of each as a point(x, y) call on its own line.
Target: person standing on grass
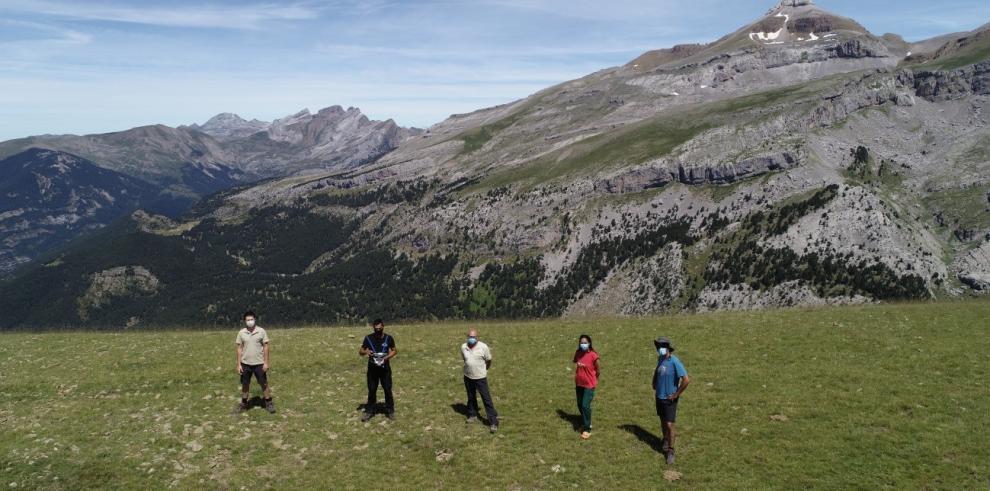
point(669, 381)
point(586, 376)
point(477, 361)
point(253, 359)
point(379, 348)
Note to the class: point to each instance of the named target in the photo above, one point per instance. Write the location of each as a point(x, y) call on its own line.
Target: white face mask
point(662, 351)
point(249, 323)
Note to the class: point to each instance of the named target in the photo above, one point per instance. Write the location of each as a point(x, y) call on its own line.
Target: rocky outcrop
point(938, 85)
point(973, 268)
point(653, 177)
point(116, 282)
point(860, 48)
point(976, 281)
point(872, 89)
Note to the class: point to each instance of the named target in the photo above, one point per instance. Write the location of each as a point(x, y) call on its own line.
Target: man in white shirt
point(477, 360)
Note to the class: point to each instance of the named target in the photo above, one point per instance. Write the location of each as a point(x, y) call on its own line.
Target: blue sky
point(74, 66)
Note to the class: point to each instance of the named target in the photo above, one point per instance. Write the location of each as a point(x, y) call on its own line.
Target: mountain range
point(185, 164)
point(800, 160)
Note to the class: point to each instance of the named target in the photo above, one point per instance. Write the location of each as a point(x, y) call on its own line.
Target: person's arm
point(391, 353)
point(598, 369)
point(654, 382)
point(681, 385)
point(267, 363)
point(240, 351)
point(364, 350)
point(488, 360)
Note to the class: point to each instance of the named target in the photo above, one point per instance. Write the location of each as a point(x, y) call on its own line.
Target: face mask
point(662, 351)
point(472, 341)
point(584, 346)
point(379, 329)
point(249, 323)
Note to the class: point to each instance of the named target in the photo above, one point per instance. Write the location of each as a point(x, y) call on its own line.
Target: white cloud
point(204, 16)
point(60, 35)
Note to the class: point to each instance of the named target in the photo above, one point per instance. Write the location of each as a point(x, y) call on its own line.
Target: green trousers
point(584, 397)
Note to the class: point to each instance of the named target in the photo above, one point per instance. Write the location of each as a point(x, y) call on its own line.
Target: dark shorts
point(257, 370)
point(667, 410)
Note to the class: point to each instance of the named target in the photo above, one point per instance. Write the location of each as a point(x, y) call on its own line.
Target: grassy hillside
point(874, 397)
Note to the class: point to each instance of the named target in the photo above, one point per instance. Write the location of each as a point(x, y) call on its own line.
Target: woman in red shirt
point(585, 379)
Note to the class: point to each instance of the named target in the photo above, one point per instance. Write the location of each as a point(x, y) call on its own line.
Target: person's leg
point(259, 373)
point(372, 390)
point(387, 386)
point(670, 418)
point(665, 443)
point(579, 395)
point(586, 398)
point(245, 385)
point(486, 398)
point(471, 387)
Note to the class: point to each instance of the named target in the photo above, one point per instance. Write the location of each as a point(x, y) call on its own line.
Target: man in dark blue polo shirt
point(669, 381)
point(379, 348)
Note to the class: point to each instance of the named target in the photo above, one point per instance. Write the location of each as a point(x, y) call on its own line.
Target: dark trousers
point(474, 387)
point(584, 398)
point(383, 376)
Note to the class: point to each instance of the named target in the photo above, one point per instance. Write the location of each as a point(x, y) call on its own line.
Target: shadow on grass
point(253, 402)
point(656, 443)
point(462, 409)
point(374, 409)
point(573, 419)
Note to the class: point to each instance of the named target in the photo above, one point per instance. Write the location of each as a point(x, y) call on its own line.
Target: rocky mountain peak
point(795, 3)
point(229, 126)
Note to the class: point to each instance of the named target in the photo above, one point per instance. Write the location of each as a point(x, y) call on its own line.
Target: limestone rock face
point(938, 85)
point(121, 281)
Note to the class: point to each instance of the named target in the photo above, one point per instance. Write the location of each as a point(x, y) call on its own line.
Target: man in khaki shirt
point(477, 360)
point(252, 359)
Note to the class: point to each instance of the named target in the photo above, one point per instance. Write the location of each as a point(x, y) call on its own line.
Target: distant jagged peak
point(795, 3)
point(225, 117)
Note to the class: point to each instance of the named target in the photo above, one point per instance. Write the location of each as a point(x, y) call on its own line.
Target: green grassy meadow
point(870, 397)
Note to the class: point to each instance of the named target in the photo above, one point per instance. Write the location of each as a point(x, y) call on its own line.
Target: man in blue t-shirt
point(669, 381)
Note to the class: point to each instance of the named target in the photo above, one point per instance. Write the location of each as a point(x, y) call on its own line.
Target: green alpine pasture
point(866, 397)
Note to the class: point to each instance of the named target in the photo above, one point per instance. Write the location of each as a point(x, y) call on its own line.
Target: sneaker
point(390, 416)
point(241, 407)
point(365, 417)
point(585, 435)
point(471, 419)
point(493, 428)
point(270, 406)
point(670, 456)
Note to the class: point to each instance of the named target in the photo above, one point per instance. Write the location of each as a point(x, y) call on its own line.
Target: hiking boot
point(270, 406)
point(665, 446)
point(471, 419)
point(493, 428)
point(241, 407)
point(390, 416)
point(670, 456)
point(365, 417)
